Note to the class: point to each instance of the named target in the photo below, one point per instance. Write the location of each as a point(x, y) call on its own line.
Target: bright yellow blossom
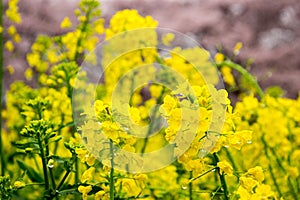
point(88, 174)
point(84, 190)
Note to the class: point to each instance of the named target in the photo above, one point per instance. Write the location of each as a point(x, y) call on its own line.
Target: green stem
point(244, 73)
point(222, 178)
point(191, 186)
point(63, 180)
point(270, 167)
point(204, 173)
point(2, 162)
point(274, 180)
point(50, 169)
point(84, 27)
point(76, 171)
point(291, 187)
point(44, 163)
point(234, 166)
point(69, 170)
point(111, 176)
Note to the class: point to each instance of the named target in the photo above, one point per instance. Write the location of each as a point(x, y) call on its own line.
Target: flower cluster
point(146, 100)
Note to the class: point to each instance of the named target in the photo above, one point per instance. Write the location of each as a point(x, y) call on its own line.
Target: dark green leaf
point(32, 174)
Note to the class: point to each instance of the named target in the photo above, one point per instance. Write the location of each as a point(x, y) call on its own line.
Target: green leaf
point(32, 174)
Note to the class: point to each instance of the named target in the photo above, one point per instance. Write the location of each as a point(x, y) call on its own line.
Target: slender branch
point(69, 170)
point(84, 27)
point(204, 173)
point(291, 187)
point(111, 176)
point(44, 163)
point(244, 73)
point(76, 170)
point(222, 178)
point(63, 180)
point(234, 166)
point(191, 186)
point(50, 169)
point(274, 180)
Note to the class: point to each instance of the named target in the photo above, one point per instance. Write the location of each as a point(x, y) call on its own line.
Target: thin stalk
point(69, 170)
point(222, 178)
point(50, 169)
point(244, 73)
point(274, 180)
point(76, 171)
point(111, 175)
point(191, 186)
point(2, 162)
point(63, 180)
point(234, 166)
point(270, 167)
point(44, 163)
point(84, 27)
point(204, 173)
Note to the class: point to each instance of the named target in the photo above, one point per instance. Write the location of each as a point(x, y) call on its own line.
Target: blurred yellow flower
point(9, 46)
point(10, 69)
point(66, 23)
point(225, 167)
point(19, 184)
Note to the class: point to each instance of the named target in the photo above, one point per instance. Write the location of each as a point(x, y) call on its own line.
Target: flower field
point(129, 110)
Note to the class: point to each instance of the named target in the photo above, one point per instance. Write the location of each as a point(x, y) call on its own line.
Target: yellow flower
point(12, 11)
point(293, 172)
point(90, 160)
point(99, 28)
point(84, 190)
point(155, 90)
point(248, 183)
point(28, 74)
point(225, 167)
point(219, 58)
point(9, 46)
point(10, 69)
point(100, 195)
point(227, 75)
point(128, 20)
point(88, 174)
point(130, 187)
point(19, 184)
point(263, 192)
point(169, 104)
point(256, 173)
point(11, 30)
point(33, 59)
point(66, 23)
point(237, 48)
point(135, 115)
point(82, 18)
point(17, 38)
point(244, 194)
point(168, 38)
